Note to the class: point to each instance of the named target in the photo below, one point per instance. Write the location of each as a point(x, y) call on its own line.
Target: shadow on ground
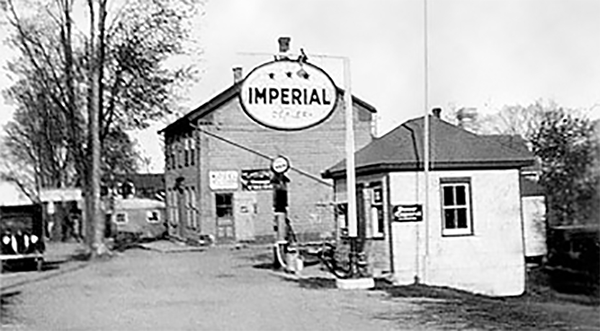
point(6, 301)
point(316, 283)
point(540, 308)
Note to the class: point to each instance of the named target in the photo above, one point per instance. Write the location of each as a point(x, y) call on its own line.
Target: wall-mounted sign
point(256, 180)
point(407, 213)
point(280, 164)
point(288, 95)
point(223, 180)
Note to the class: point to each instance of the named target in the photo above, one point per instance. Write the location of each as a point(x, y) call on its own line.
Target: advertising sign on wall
point(407, 213)
point(223, 179)
point(288, 95)
point(256, 180)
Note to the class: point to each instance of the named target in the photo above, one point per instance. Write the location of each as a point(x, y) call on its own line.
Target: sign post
point(294, 95)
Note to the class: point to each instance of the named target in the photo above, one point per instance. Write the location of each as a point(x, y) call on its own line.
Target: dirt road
point(218, 289)
point(222, 288)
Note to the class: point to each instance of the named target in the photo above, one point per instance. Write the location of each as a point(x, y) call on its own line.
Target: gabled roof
point(451, 148)
point(143, 181)
point(226, 95)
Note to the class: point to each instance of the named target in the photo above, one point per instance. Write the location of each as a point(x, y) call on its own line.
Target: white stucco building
point(469, 237)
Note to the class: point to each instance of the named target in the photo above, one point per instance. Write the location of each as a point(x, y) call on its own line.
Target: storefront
point(471, 237)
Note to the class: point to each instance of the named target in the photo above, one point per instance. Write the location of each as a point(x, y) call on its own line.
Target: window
point(167, 156)
point(224, 204)
point(192, 150)
point(153, 216)
point(186, 147)
point(377, 210)
point(193, 207)
point(341, 217)
point(175, 208)
point(179, 156)
point(186, 206)
point(121, 218)
point(456, 206)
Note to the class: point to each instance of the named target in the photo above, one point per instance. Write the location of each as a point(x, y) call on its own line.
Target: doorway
point(246, 207)
point(224, 212)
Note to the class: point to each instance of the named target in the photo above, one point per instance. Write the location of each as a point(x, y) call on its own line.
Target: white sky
point(482, 53)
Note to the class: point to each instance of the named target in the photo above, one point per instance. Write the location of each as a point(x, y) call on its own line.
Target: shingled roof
point(452, 148)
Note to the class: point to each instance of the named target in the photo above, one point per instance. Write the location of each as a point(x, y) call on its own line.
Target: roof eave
point(418, 166)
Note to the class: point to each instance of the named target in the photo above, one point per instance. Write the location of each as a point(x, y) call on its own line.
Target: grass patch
point(541, 308)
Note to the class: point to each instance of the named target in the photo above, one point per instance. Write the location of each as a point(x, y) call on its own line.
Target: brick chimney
point(284, 44)
point(237, 74)
point(436, 112)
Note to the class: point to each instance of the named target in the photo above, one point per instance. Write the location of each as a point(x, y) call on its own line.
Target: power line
point(265, 156)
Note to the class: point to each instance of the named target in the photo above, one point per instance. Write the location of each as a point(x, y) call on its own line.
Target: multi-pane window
point(456, 206)
point(224, 204)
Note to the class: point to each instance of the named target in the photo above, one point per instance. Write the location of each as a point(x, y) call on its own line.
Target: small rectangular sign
point(407, 213)
point(256, 180)
point(223, 180)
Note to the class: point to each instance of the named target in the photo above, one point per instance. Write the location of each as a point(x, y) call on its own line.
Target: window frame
point(455, 182)
point(223, 205)
point(377, 210)
point(340, 210)
point(125, 217)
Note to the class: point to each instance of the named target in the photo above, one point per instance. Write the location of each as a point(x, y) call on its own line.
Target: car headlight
point(34, 239)
point(6, 240)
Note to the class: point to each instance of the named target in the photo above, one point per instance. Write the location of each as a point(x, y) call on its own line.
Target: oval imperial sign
point(288, 95)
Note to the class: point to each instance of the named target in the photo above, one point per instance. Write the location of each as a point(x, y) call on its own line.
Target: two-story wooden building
point(218, 178)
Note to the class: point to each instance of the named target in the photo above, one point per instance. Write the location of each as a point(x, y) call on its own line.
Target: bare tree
point(516, 120)
point(114, 71)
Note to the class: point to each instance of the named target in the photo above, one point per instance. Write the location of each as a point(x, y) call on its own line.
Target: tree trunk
point(95, 215)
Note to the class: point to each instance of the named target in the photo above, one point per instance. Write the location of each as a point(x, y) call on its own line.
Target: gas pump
point(285, 254)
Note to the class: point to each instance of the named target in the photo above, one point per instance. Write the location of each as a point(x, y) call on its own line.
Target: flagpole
point(426, 140)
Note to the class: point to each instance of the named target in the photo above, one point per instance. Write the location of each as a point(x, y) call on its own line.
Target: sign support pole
point(350, 170)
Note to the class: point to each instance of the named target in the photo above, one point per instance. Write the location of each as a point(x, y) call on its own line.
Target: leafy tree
point(81, 85)
point(568, 148)
point(118, 153)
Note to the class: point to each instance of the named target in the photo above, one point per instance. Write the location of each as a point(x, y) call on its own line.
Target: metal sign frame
point(303, 67)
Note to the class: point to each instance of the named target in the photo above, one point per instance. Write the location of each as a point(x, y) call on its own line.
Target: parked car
point(22, 235)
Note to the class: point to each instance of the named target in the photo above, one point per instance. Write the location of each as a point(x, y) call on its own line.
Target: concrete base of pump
point(355, 283)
